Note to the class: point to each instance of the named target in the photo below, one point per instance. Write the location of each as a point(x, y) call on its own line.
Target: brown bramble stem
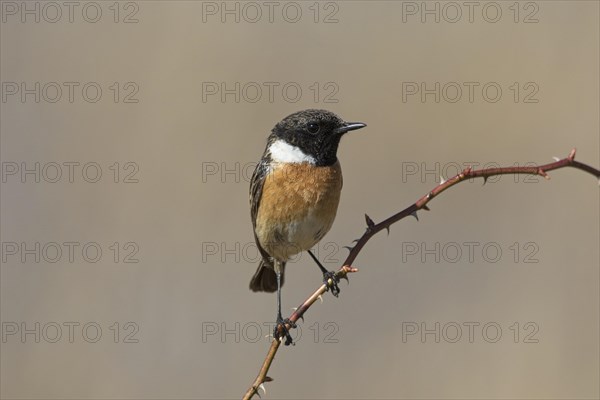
point(373, 228)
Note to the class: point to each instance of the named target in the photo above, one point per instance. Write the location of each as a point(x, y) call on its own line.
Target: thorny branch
point(373, 228)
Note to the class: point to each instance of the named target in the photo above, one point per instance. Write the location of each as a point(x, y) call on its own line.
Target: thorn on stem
point(387, 228)
point(350, 248)
point(370, 222)
point(414, 214)
point(426, 208)
point(261, 386)
point(572, 154)
point(485, 178)
point(543, 173)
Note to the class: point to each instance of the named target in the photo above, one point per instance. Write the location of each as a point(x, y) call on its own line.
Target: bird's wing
point(256, 186)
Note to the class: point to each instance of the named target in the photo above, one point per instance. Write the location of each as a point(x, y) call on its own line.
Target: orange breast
point(297, 207)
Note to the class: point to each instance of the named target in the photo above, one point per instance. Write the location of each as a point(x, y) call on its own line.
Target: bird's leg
point(279, 333)
point(335, 289)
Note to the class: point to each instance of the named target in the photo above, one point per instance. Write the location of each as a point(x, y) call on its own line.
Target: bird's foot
point(331, 275)
point(282, 331)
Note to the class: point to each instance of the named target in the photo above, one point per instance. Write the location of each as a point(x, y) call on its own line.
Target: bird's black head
point(315, 133)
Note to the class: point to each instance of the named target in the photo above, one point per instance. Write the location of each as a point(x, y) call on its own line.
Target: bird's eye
point(312, 127)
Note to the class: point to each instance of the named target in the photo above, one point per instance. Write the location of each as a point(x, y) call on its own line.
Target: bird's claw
point(282, 331)
point(335, 289)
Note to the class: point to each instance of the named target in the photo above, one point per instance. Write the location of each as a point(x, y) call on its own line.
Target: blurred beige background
point(493, 294)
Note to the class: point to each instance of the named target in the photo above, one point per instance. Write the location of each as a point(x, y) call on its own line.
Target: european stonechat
point(294, 194)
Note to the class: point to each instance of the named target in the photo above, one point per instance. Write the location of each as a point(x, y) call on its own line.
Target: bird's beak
point(350, 126)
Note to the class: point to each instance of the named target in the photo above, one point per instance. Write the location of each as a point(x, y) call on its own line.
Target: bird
point(294, 195)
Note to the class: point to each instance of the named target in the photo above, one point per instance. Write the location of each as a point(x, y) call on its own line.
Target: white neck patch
point(286, 153)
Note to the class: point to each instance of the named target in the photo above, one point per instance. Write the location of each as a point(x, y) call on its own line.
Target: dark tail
point(265, 279)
